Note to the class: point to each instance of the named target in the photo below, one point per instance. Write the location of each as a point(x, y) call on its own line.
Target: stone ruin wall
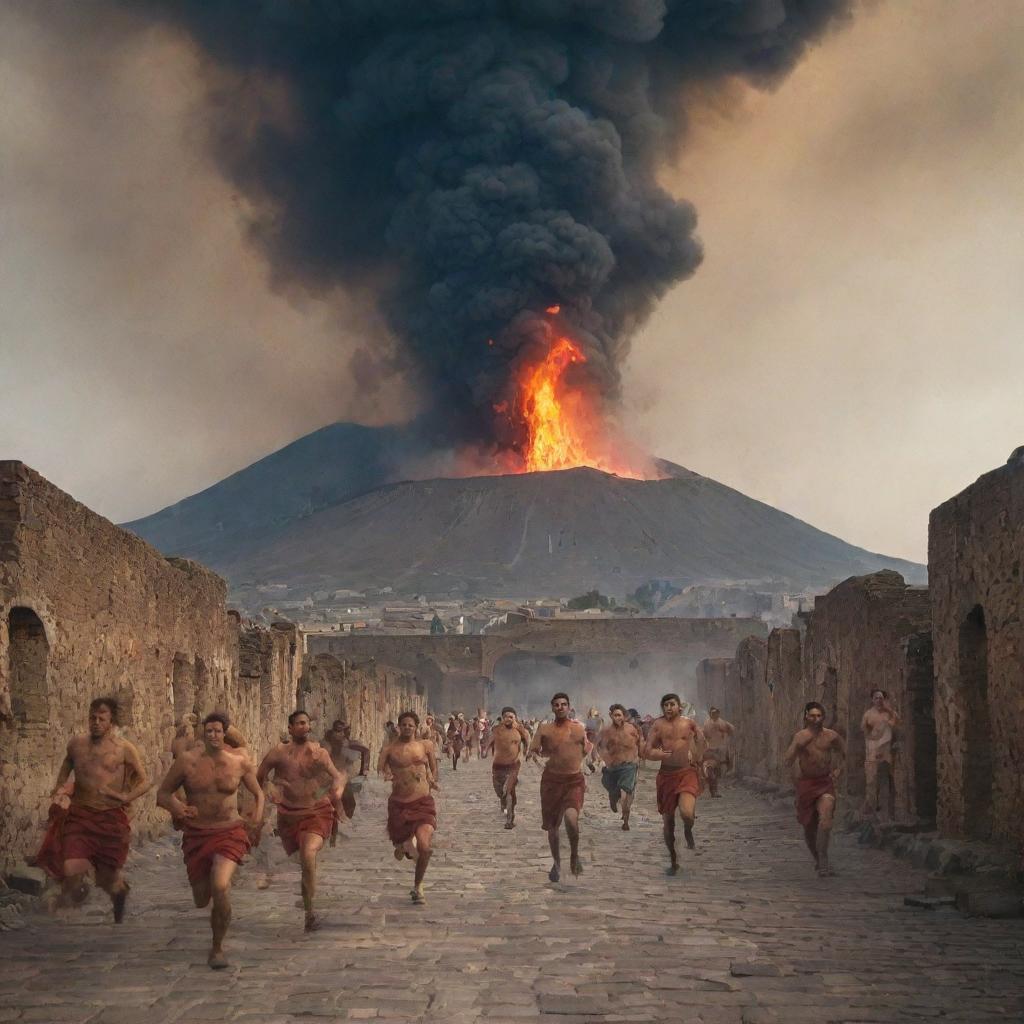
point(975, 559)
point(364, 694)
point(88, 609)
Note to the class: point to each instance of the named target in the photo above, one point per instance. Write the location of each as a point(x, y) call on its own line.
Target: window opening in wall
point(978, 764)
point(29, 653)
point(181, 687)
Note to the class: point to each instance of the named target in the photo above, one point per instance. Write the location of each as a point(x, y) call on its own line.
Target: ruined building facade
point(88, 609)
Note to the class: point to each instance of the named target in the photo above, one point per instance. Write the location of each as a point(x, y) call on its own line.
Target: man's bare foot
point(625, 826)
point(120, 898)
point(417, 895)
point(510, 824)
point(613, 801)
point(313, 923)
point(217, 961)
point(672, 869)
point(263, 882)
point(576, 865)
point(690, 844)
point(554, 874)
point(399, 852)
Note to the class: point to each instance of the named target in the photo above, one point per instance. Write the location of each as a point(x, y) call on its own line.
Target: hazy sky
point(850, 351)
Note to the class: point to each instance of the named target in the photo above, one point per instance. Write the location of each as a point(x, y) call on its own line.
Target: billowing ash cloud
point(478, 161)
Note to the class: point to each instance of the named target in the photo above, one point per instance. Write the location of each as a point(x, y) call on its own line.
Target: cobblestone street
point(746, 935)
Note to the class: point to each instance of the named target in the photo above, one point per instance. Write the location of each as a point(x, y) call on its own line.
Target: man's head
point(814, 715)
point(714, 713)
point(102, 716)
point(560, 706)
point(618, 715)
point(461, 717)
point(428, 720)
point(215, 725)
point(878, 698)
point(408, 723)
point(298, 726)
point(671, 705)
point(508, 717)
point(337, 725)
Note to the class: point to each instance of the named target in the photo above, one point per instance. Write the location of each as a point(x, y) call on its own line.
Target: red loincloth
point(808, 792)
point(405, 818)
point(673, 781)
point(201, 843)
point(557, 794)
point(102, 837)
point(295, 822)
point(505, 777)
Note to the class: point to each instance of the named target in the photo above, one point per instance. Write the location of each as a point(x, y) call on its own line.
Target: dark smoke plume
point(477, 161)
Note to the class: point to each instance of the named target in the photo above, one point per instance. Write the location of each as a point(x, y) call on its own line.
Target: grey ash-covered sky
point(848, 351)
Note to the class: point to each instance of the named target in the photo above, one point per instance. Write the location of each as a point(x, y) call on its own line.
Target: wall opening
point(29, 655)
point(977, 747)
point(921, 689)
point(182, 691)
point(830, 698)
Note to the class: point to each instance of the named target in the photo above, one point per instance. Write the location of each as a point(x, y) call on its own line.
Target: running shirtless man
point(344, 750)
point(717, 756)
point(678, 744)
point(878, 724)
point(564, 743)
point(411, 766)
point(619, 744)
point(215, 839)
point(94, 831)
point(310, 789)
point(508, 740)
point(816, 750)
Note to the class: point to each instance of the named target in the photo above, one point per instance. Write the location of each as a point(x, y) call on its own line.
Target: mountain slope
point(541, 533)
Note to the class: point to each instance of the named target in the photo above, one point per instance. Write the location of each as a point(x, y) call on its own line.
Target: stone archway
point(28, 661)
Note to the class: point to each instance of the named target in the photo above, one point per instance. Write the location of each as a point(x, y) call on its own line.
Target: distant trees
point(591, 599)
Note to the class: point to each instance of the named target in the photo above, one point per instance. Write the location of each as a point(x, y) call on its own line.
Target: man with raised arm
point(310, 790)
point(878, 724)
point(717, 755)
point(619, 743)
point(345, 751)
point(215, 839)
point(88, 825)
point(456, 738)
point(411, 765)
point(564, 743)
point(678, 744)
point(820, 755)
point(508, 740)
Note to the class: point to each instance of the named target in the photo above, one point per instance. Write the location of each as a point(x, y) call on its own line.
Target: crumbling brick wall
point(856, 642)
point(785, 701)
point(975, 559)
point(365, 694)
point(711, 675)
point(746, 694)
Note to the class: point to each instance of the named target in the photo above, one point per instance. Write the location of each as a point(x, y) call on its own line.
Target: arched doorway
point(28, 654)
point(977, 747)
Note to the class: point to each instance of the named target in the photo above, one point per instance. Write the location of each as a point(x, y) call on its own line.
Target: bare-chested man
point(89, 826)
point(678, 743)
point(215, 839)
point(564, 743)
point(619, 743)
point(411, 766)
point(310, 789)
point(344, 752)
point(717, 754)
point(508, 739)
point(820, 754)
point(878, 724)
point(458, 733)
point(185, 737)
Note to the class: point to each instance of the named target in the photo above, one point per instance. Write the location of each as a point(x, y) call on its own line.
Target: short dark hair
point(110, 703)
point(617, 707)
point(337, 724)
point(409, 714)
point(713, 709)
point(296, 714)
point(560, 696)
point(668, 697)
point(878, 689)
point(633, 713)
point(513, 710)
point(811, 704)
point(217, 716)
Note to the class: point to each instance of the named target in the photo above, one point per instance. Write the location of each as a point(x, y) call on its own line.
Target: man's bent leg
point(688, 812)
point(825, 807)
point(510, 797)
point(310, 846)
point(556, 853)
point(669, 832)
point(627, 803)
point(424, 849)
point(811, 837)
point(870, 805)
point(74, 888)
point(112, 883)
point(221, 874)
point(572, 830)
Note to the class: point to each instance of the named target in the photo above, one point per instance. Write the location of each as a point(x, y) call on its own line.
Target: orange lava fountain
point(563, 428)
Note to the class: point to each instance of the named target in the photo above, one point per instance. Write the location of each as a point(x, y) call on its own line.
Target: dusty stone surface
point(975, 558)
point(746, 935)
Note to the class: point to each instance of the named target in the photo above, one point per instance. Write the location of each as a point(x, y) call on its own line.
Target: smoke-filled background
point(857, 220)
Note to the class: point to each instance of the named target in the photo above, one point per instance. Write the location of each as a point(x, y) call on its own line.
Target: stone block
point(26, 879)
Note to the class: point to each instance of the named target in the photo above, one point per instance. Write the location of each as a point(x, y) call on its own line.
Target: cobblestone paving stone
point(746, 935)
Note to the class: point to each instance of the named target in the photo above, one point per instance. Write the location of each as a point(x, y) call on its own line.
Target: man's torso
point(98, 766)
point(211, 785)
point(507, 744)
point(620, 745)
point(409, 766)
point(877, 735)
point(562, 745)
point(816, 756)
point(675, 736)
point(299, 773)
